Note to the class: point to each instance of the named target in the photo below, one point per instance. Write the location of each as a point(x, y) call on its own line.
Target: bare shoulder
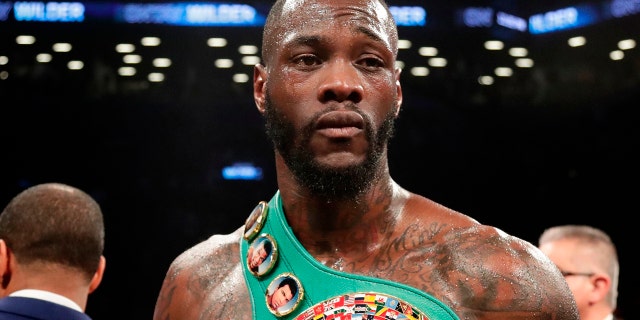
point(485, 273)
point(201, 277)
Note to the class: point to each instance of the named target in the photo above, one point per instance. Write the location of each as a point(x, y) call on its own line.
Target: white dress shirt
point(47, 296)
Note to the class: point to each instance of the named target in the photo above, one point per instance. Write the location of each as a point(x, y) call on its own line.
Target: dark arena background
point(521, 114)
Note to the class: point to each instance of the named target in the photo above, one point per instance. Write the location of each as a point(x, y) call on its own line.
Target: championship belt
point(286, 282)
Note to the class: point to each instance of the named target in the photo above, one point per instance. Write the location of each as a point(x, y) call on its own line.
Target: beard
point(329, 182)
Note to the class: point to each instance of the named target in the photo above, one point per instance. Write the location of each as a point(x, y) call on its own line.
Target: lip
point(340, 124)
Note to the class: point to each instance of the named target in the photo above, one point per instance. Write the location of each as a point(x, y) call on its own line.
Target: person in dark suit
point(588, 259)
point(51, 253)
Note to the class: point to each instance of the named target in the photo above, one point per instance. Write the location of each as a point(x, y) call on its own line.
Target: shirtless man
point(330, 93)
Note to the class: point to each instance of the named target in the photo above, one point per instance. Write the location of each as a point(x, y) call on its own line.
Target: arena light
point(524, 63)
point(242, 171)
point(503, 72)
point(626, 44)
point(493, 45)
point(518, 52)
point(150, 41)
point(216, 42)
point(61, 47)
point(577, 41)
point(420, 71)
point(428, 51)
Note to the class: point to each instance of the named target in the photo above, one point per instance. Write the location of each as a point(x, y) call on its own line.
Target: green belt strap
point(323, 290)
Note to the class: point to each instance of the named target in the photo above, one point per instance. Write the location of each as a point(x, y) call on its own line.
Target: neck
point(58, 280)
point(339, 227)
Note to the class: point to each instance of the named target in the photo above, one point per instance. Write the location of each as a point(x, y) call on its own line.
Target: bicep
point(174, 299)
point(501, 274)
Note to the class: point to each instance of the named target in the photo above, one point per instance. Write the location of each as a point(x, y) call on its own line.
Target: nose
point(341, 82)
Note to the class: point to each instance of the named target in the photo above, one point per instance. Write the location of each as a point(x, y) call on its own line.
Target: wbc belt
point(313, 291)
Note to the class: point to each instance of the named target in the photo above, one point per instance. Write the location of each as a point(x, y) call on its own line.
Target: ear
point(5, 265)
point(259, 83)
point(97, 277)
point(601, 285)
point(398, 90)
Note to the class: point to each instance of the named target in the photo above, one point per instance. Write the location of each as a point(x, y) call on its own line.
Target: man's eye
point(372, 62)
point(306, 60)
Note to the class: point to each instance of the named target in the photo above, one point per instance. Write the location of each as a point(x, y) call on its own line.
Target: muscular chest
point(415, 269)
point(408, 269)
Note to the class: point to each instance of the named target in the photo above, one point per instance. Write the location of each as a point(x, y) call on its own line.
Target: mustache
point(349, 106)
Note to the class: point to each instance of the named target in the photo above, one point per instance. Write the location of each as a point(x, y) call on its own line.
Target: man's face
point(332, 181)
point(281, 296)
point(331, 95)
point(257, 257)
point(573, 258)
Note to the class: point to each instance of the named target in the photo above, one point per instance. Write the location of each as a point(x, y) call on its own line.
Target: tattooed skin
point(206, 282)
point(478, 271)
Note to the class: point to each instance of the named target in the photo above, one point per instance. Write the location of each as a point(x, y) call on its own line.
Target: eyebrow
point(306, 40)
point(315, 39)
point(369, 33)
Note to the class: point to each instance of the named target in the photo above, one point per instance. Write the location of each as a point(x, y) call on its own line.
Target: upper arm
point(174, 297)
point(498, 276)
point(201, 277)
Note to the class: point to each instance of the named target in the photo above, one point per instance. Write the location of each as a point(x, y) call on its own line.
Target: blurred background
point(521, 114)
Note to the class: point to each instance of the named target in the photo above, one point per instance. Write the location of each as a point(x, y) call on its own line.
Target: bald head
point(288, 17)
point(54, 223)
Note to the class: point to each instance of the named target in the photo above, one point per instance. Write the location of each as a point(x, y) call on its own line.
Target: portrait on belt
point(262, 255)
point(284, 294)
point(254, 222)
